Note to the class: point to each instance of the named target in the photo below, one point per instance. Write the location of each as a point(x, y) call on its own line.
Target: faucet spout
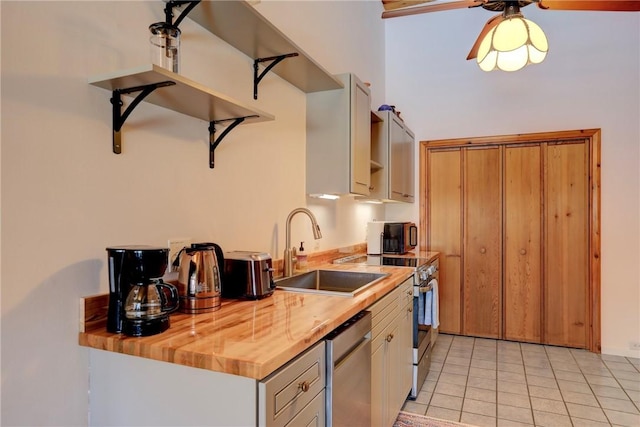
point(288, 252)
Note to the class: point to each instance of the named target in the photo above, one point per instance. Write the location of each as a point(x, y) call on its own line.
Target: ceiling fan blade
point(398, 4)
point(601, 5)
point(460, 4)
point(491, 23)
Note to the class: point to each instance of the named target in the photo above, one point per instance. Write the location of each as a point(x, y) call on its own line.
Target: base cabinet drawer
point(286, 393)
point(313, 415)
point(383, 312)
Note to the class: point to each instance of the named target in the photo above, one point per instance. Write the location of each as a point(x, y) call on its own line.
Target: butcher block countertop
point(247, 338)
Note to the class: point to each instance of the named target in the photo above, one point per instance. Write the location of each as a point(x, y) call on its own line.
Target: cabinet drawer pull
point(389, 337)
point(304, 386)
point(483, 250)
point(523, 252)
point(410, 309)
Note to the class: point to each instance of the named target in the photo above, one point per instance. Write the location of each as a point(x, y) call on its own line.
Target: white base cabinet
point(391, 354)
point(127, 391)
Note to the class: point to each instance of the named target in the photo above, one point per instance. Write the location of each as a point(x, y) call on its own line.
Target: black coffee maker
point(139, 301)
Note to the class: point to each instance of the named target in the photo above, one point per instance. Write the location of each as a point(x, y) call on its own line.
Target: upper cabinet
point(339, 139)
point(393, 158)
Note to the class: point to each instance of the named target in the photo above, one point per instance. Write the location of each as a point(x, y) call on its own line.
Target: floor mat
point(406, 419)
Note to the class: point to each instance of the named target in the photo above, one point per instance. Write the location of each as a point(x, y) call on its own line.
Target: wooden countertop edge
point(198, 340)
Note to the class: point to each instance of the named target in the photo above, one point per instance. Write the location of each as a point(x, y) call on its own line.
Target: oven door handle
point(426, 288)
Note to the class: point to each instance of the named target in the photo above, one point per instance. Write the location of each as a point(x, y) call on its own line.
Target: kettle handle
point(173, 296)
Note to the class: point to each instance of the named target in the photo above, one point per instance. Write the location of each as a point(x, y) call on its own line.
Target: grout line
point(564, 402)
point(573, 358)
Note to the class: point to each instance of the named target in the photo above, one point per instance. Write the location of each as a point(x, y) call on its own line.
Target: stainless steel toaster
point(247, 275)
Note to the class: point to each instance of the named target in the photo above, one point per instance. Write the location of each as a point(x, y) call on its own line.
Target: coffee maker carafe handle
point(171, 301)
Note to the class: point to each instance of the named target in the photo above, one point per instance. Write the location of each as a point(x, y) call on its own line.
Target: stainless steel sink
point(331, 282)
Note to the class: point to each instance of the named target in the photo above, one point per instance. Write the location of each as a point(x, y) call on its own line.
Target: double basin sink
point(330, 282)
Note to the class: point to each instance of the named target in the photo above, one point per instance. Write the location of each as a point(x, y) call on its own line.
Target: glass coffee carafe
point(150, 302)
point(147, 308)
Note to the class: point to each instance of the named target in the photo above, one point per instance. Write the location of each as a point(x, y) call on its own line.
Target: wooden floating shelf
point(186, 96)
point(164, 88)
point(240, 25)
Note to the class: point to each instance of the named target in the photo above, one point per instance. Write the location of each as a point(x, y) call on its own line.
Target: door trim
point(593, 139)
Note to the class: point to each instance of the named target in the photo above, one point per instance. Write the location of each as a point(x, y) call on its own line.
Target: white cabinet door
point(409, 169)
point(378, 383)
point(338, 154)
point(360, 138)
point(395, 394)
point(401, 149)
point(397, 155)
point(393, 144)
point(392, 354)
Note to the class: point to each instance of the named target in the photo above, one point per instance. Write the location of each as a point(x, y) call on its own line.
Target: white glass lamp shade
point(512, 44)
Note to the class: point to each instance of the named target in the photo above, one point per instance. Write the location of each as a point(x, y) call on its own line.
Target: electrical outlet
point(634, 345)
point(175, 245)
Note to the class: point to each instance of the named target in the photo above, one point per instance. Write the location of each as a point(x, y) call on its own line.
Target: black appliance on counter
point(247, 274)
point(399, 237)
point(139, 301)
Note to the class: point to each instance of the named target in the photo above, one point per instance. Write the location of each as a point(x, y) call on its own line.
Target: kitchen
point(72, 197)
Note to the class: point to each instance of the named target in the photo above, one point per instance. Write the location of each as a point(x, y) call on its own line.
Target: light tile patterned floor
point(486, 382)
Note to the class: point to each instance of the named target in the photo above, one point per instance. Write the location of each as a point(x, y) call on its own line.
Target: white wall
point(66, 196)
point(590, 79)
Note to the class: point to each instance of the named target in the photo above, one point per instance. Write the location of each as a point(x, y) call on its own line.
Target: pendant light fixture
point(513, 43)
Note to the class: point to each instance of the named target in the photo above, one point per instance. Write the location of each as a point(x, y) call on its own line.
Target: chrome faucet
point(289, 251)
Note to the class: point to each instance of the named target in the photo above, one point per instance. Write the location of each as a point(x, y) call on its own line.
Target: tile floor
point(486, 382)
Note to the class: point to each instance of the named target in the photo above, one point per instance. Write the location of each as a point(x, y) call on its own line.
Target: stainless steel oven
point(425, 272)
point(424, 290)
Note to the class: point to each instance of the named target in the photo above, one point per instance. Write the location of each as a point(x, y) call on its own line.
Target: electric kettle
point(199, 278)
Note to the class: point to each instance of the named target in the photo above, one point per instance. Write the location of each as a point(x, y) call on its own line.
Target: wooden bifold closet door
point(482, 201)
point(567, 247)
point(522, 243)
point(445, 217)
point(512, 223)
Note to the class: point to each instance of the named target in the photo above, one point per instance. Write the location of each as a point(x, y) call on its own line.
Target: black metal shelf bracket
point(214, 142)
point(275, 60)
point(168, 10)
point(119, 117)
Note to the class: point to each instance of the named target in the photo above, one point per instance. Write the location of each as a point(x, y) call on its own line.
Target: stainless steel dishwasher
point(348, 390)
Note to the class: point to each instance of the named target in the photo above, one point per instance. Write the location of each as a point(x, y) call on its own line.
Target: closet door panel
point(482, 313)
point(567, 266)
point(445, 232)
point(522, 243)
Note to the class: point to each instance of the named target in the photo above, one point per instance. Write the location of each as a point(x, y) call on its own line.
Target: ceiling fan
point(507, 41)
